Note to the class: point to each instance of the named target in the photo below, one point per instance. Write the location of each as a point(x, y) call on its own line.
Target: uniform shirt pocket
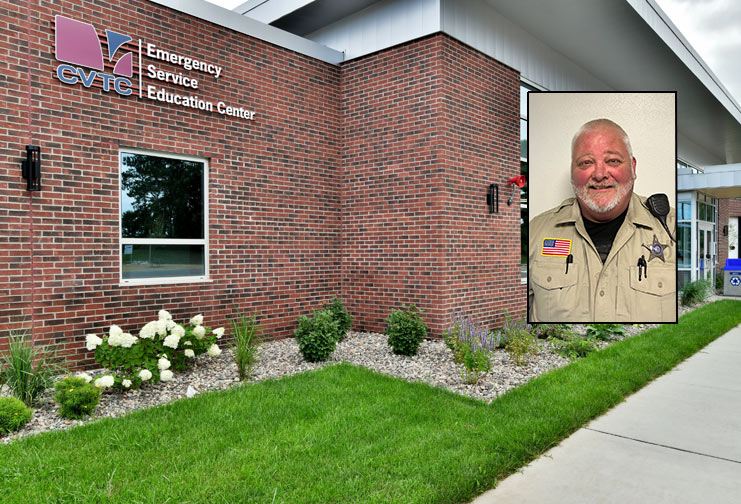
point(553, 290)
point(655, 295)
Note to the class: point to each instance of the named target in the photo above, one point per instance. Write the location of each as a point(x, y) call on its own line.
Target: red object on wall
point(363, 180)
point(518, 180)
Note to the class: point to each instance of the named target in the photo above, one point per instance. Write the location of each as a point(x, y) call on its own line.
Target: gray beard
point(582, 194)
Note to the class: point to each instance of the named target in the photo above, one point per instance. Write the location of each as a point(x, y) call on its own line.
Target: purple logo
point(78, 44)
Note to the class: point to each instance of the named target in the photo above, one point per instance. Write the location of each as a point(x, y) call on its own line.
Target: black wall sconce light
point(31, 168)
point(725, 230)
point(492, 198)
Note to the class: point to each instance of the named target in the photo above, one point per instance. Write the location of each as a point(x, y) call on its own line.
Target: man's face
point(602, 174)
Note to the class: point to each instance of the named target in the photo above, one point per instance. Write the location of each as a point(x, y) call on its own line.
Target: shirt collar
point(568, 212)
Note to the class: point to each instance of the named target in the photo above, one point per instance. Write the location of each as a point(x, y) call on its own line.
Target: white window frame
point(164, 241)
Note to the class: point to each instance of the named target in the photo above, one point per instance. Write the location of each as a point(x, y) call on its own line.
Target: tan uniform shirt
point(595, 292)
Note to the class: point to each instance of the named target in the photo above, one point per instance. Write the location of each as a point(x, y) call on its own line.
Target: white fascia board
point(670, 34)
point(267, 11)
point(242, 24)
point(720, 182)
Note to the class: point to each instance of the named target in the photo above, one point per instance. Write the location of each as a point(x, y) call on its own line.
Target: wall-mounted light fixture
point(31, 168)
point(518, 181)
point(725, 230)
point(492, 198)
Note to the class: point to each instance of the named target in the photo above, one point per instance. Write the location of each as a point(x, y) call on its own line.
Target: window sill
point(163, 281)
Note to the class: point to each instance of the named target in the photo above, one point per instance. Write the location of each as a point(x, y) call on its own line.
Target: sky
point(712, 27)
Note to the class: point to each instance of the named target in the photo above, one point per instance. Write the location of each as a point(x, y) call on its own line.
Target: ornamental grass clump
point(695, 292)
point(245, 344)
point(317, 336)
point(27, 369)
point(76, 396)
point(163, 346)
point(13, 414)
point(406, 330)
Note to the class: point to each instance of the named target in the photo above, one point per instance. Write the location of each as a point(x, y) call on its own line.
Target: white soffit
point(248, 26)
point(266, 11)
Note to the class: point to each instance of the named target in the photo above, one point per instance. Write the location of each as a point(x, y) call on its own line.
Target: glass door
point(705, 251)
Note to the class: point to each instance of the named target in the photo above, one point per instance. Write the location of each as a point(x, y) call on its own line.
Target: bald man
point(602, 256)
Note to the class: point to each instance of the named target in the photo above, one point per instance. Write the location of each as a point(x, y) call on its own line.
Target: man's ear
point(634, 167)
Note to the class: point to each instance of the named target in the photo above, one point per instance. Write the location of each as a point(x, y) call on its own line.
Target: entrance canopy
point(720, 181)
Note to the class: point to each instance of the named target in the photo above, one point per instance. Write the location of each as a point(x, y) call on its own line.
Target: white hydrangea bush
point(161, 348)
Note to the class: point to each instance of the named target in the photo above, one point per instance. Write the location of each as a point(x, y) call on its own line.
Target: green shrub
point(245, 344)
point(27, 369)
point(719, 282)
point(340, 315)
point(475, 359)
point(317, 336)
point(521, 347)
point(76, 397)
point(575, 347)
point(13, 414)
point(548, 331)
point(406, 330)
point(605, 332)
point(450, 337)
point(162, 346)
point(520, 344)
point(695, 292)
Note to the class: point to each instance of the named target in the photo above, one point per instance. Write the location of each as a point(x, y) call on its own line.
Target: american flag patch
point(556, 247)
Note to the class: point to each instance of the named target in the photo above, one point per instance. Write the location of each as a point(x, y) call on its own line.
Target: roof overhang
point(243, 24)
point(718, 181)
point(631, 45)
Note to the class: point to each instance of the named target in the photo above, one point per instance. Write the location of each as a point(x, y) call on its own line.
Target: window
point(524, 90)
point(163, 218)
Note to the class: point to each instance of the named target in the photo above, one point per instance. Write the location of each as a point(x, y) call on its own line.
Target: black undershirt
point(603, 233)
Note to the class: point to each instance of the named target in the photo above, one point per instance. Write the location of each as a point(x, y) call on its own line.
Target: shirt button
point(548, 279)
point(602, 293)
point(660, 285)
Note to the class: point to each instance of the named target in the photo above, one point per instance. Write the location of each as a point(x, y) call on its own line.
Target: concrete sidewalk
point(677, 440)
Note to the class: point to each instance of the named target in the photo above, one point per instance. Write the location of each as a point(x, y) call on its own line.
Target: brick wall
point(366, 180)
point(428, 126)
point(726, 208)
point(273, 182)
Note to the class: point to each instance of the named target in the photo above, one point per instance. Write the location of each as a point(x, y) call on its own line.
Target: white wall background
point(553, 118)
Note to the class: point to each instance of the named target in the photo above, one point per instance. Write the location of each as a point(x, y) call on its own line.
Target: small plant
point(28, 370)
point(552, 331)
point(406, 330)
point(245, 345)
point(719, 282)
point(605, 332)
point(475, 361)
point(521, 345)
point(471, 346)
point(161, 347)
point(340, 315)
point(317, 336)
point(575, 347)
point(695, 292)
point(76, 396)
point(13, 414)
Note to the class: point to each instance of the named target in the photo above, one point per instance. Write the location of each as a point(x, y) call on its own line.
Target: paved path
point(677, 440)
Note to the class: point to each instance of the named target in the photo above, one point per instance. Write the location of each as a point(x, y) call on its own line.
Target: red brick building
point(295, 178)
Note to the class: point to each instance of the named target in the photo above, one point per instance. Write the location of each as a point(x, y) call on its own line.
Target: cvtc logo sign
point(77, 43)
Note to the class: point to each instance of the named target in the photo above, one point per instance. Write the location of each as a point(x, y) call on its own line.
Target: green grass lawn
point(341, 434)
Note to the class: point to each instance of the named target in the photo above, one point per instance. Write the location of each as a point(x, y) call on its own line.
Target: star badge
point(656, 249)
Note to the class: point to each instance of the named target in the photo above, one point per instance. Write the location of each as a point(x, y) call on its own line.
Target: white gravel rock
point(433, 364)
